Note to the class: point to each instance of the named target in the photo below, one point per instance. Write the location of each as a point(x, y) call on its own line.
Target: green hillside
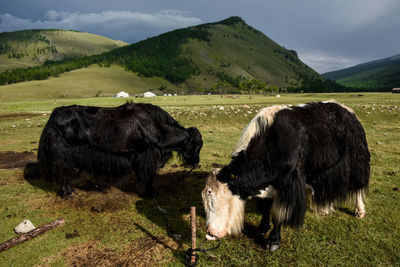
point(236, 51)
point(29, 48)
point(86, 82)
point(226, 56)
point(378, 75)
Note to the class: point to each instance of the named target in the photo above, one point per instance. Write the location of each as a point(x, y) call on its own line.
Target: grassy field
point(86, 82)
point(115, 227)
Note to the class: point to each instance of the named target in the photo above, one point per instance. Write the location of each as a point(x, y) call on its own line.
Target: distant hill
point(228, 56)
point(235, 50)
point(229, 51)
point(29, 48)
point(377, 75)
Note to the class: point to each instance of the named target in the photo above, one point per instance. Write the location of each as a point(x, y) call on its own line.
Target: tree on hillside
point(250, 86)
point(220, 87)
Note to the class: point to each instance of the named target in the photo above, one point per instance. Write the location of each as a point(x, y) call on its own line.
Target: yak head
point(190, 151)
point(224, 210)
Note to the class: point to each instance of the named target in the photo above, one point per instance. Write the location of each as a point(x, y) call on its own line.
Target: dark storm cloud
point(327, 35)
point(125, 25)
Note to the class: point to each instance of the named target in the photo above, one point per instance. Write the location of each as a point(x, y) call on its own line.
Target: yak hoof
point(272, 246)
point(65, 192)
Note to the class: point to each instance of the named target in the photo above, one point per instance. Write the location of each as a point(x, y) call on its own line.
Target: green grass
point(116, 227)
point(85, 82)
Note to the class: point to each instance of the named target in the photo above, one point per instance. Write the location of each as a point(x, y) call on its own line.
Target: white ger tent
point(149, 94)
point(122, 94)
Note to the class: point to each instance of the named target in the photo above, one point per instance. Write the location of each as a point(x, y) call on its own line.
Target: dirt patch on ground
point(21, 115)
point(10, 142)
point(108, 200)
point(11, 159)
point(145, 251)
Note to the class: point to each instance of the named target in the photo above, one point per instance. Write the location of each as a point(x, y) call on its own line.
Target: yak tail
point(290, 205)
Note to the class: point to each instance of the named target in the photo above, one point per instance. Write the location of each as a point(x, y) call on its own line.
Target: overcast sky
point(327, 34)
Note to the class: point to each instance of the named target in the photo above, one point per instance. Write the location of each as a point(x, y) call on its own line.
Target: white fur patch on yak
point(259, 123)
point(224, 211)
point(268, 192)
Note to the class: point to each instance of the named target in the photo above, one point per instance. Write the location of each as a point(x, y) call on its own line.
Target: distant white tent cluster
point(146, 94)
point(125, 94)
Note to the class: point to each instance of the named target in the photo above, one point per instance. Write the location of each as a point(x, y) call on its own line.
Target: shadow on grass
point(174, 194)
point(153, 237)
point(252, 233)
point(176, 197)
point(346, 210)
point(32, 176)
point(83, 181)
point(162, 182)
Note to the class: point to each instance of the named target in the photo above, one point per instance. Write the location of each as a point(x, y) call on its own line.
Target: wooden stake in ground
point(193, 222)
point(31, 234)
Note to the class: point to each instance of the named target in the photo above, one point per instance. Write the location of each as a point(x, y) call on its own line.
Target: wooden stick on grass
point(193, 222)
point(31, 234)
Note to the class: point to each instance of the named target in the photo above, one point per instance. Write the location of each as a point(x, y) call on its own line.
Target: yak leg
point(144, 184)
point(274, 238)
point(145, 169)
point(65, 183)
point(65, 190)
point(264, 206)
point(326, 210)
point(360, 207)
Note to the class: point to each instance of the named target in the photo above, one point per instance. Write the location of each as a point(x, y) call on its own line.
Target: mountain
point(377, 75)
point(235, 50)
point(228, 51)
point(220, 56)
point(29, 48)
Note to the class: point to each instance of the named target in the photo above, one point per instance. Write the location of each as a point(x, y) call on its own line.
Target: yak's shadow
point(176, 193)
point(84, 182)
point(32, 176)
point(346, 210)
point(170, 209)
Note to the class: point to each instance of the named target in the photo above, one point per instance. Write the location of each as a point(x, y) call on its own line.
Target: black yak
point(112, 142)
point(285, 157)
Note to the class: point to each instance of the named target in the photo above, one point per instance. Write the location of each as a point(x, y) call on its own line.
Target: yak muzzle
point(213, 234)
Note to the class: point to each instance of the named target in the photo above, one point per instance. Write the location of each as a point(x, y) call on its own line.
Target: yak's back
point(109, 128)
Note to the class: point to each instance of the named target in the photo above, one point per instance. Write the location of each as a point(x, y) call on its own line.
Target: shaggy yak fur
point(287, 156)
point(109, 143)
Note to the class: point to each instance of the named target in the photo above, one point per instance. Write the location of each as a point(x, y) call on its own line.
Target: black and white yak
point(109, 143)
point(287, 156)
